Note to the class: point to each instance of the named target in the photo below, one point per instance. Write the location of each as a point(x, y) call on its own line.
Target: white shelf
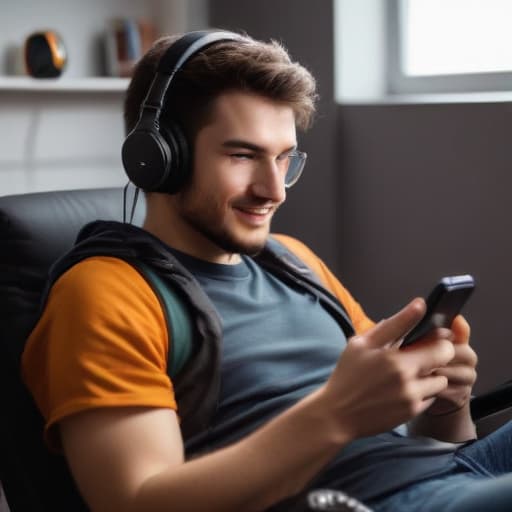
point(62, 84)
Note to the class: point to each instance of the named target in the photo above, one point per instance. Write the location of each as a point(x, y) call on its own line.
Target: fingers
point(395, 327)
point(461, 376)
point(431, 386)
point(441, 364)
point(458, 375)
point(461, 369)
point(427, 389)
point(465, 355)
point(461, 330)
point(431, 353)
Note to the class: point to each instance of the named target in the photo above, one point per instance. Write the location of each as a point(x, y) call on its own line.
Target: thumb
point(461, 330)
point(392, 329)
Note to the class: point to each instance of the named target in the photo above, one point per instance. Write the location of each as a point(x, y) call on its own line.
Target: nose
point(268, 182)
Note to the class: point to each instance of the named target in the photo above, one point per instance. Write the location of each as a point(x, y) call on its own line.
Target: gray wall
point(396, 196)
point(426, 193)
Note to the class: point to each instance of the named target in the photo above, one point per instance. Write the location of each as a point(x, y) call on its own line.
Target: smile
point(254, 216)
point(257, 211)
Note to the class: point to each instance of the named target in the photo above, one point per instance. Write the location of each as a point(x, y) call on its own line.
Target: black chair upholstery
point(35, 229)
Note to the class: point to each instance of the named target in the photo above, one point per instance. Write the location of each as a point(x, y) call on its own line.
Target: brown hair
point(246, 65)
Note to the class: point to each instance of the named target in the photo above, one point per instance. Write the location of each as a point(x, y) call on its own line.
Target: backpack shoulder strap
point(303, 258)
point(280, 259)
point(355, 312)
point(179, 323)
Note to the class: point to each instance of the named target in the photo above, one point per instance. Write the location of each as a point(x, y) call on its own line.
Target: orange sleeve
point(359, 319)
point(101, 342)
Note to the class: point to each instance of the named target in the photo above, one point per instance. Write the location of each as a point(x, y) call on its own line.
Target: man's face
point(240, 163)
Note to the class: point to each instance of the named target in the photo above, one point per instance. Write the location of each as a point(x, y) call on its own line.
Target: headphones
point(157, 158)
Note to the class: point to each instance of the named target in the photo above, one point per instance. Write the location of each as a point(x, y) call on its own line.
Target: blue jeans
point(481, 482)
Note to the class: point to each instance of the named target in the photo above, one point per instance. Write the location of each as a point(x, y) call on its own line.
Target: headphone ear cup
point(146, 159)
point(180, 157)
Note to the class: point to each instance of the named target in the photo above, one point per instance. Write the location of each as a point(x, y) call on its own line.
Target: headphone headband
point(175, 58)
point(188, 45)
point(156, 160)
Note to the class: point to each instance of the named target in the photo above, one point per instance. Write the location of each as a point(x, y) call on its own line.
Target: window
point(449, 45)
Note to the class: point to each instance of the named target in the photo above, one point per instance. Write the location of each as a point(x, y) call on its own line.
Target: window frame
point(400, 83)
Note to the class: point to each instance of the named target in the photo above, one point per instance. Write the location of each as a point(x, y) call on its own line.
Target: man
point(310, 391)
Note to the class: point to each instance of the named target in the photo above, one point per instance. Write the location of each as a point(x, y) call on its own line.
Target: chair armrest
point(496, 400)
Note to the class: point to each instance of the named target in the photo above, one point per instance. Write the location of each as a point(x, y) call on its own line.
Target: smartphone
point(443, 304)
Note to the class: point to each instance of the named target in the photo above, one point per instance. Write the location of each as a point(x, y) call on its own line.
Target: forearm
point(269, 465)
point(455, 427)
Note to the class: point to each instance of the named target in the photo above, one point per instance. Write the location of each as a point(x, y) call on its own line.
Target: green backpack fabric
point(177, 316)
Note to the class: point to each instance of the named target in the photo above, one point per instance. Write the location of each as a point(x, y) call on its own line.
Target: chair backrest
point(35, 230)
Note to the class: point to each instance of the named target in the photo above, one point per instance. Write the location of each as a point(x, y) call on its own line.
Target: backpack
point(179, 323)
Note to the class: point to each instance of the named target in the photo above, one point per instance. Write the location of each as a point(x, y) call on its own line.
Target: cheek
point(221, 181)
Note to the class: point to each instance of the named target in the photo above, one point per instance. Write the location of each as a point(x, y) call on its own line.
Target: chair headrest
point(35, 230)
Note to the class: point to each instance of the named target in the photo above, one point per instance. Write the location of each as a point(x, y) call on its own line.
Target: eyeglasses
point(296, 163)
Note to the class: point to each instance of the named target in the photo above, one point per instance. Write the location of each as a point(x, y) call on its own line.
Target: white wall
point(60, 140)
point(360, 50)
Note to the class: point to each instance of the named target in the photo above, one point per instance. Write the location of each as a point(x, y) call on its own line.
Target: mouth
point(255, 215)
point(260, 210)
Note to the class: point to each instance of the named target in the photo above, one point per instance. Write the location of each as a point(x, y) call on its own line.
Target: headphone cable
point(134, 202)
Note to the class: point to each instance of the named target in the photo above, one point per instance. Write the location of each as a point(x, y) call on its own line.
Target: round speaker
point(45, 54)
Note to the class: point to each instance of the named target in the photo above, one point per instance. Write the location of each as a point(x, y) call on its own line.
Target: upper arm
point(96, 365)
point(101, 342)
point(113, 451)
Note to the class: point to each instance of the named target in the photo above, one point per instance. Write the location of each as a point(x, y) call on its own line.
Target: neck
point(163, 221)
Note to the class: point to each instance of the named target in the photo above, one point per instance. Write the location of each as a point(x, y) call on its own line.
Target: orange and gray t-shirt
point(102, 342)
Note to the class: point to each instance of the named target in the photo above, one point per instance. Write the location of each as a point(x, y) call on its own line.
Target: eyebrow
point(243, 144)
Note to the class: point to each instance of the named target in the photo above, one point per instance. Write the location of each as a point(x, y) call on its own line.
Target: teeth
point(257, 211)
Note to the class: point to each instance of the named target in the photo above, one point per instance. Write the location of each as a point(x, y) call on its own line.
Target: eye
point(284, 159)
point(242, 156)
point(286, 156)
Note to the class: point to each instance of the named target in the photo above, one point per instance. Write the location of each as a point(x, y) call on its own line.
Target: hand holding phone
point(443, 304)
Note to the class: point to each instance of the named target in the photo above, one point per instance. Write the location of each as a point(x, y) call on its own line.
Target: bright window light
point(445, 37)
